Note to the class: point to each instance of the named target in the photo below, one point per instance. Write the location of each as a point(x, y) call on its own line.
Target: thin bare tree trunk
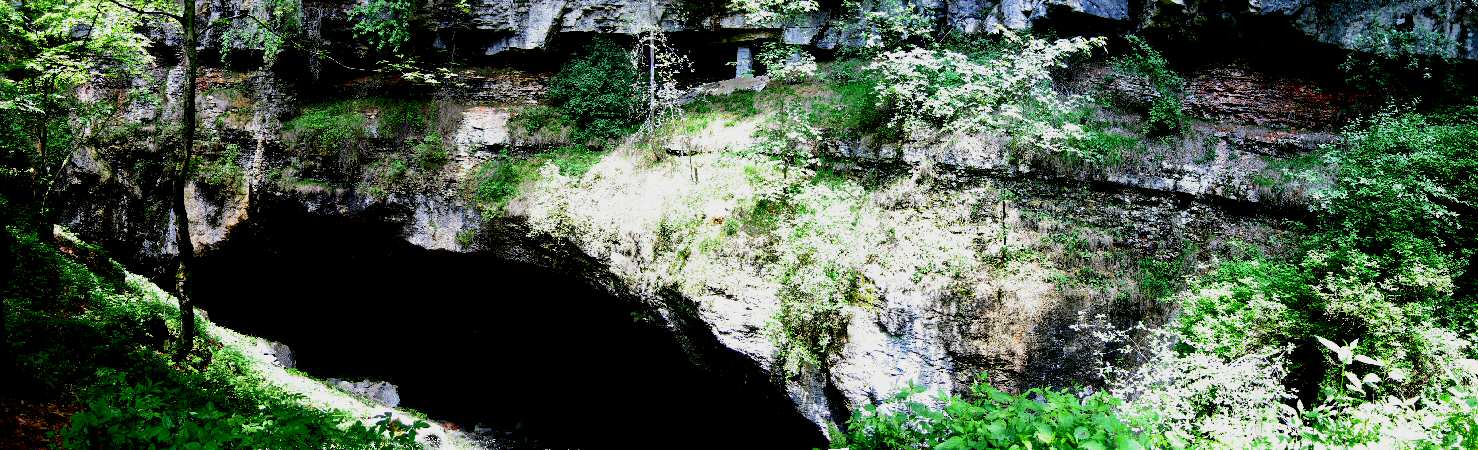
point(183, 284)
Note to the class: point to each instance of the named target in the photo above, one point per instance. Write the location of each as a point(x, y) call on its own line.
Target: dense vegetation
point(1377, 296)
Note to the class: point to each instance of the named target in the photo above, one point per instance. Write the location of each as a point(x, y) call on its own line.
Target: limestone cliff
point(971, 260)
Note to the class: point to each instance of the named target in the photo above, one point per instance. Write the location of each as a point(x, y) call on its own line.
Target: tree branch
point(145, 12)
point(319, 53)
point(227, 21)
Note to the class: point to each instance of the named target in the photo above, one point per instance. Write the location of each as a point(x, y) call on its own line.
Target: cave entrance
point(540, 357)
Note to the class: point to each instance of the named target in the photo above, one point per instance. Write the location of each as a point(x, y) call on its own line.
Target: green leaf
point(1329, 344)
point(1368, 360)
point(1045, 434)
point(1125, 442)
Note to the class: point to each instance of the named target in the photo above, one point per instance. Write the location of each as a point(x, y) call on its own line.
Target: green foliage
point(328, 126)
point(1007, 92)
point(540, 125)
point(283, 22)
point(385, 24)
point(1379, 269)
point(769, 12)
point(789, 136)
point(222, 174)
point(990, 418)
point(1106, 147)
point(855, 109)
point(597, 89)
point(787, 63)
point(572, 160)
point(741, 103)
point(44, 64)
point(1404, 63)
point(496, 182)
point(1167, 109)
point(431, 153)
point(331, 138)
point(225, 406)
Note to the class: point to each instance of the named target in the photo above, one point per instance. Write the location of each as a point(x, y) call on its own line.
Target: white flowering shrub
point(787, 63)
point(769, 12)
point(1008, 92)
point(1195, 396)
point(788, 135)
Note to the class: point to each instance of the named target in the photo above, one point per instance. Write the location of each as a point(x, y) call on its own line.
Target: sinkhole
point(539, 356)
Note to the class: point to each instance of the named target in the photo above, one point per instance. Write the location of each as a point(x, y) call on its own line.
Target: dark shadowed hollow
point(471, 339)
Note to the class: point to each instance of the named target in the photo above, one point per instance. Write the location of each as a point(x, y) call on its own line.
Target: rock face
point(531, 24)
point(612, 225)
point(606, 227)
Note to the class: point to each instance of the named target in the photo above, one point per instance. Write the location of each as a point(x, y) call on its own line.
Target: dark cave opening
point(543, 358)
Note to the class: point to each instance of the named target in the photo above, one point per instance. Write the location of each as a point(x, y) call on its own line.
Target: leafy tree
point(599, 90)
point(385, 24)
point(50, 49)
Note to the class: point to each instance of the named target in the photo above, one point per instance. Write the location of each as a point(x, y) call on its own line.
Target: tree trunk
point(186, 261)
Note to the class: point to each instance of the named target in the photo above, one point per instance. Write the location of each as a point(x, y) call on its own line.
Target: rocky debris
point(276, 352)
point(726, 87)
point(379, 391)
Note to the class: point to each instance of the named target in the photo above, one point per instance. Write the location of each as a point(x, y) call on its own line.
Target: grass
point(708, 109)
point(1106, 147)
point(740, 103)
point(333, 124)
point(496, 182)
point(540, 125)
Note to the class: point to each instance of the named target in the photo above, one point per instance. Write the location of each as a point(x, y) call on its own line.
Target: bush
point(1009, 91)
point(1167, 109)
point(990, 418)
point(1408, 64)
point(598, 91)
point(1377, 276)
